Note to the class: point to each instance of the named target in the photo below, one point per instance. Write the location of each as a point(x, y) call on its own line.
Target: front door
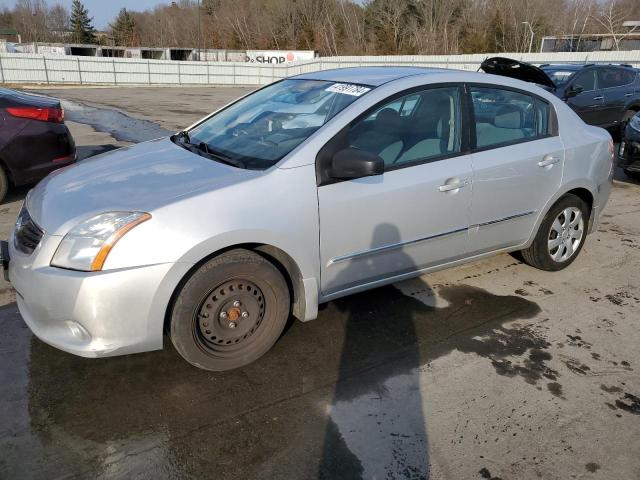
point(517, 166)
point(413, 216)
point(589, 104)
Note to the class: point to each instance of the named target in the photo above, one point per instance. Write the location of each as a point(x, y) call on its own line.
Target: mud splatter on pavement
point(592, 467)
point(555, 388)
point(629, 403)
point(576, 366)
point(485, 473)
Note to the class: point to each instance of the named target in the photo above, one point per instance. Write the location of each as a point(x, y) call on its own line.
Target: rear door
point(589, 104)
point(617, 87)
point(517, 165)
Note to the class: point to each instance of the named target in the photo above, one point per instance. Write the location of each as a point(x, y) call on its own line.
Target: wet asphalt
point(487, 371)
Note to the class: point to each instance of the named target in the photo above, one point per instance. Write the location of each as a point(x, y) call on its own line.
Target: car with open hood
point(309, 189)
point(603, 95)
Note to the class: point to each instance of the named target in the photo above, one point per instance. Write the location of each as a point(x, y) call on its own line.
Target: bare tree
point(611, 19)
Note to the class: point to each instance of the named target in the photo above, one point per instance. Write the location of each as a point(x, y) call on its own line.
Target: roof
point(579, 66)
point(565, 66)
point(373, 76)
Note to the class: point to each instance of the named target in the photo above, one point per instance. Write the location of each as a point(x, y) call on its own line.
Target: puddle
point(122, 127)
point(345, 392)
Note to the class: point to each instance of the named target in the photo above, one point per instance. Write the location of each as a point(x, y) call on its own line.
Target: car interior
point(431, 127)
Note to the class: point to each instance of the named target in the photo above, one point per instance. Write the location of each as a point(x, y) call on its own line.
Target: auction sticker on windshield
point(348, 89)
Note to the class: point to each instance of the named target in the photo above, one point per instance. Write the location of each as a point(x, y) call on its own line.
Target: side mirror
point(574, 90)
point(355, 163)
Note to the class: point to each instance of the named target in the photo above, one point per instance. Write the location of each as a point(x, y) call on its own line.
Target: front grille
point(27, 234)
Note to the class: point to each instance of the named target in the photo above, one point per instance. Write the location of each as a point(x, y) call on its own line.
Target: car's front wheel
point(230, 311)
point(561, 235)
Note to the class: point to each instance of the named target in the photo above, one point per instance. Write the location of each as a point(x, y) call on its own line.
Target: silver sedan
point(309, 189)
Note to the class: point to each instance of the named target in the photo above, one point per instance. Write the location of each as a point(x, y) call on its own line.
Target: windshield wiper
point(204, 150)
point(221, 157)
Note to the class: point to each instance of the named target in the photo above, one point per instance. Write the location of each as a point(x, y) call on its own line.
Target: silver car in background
point(309, 189)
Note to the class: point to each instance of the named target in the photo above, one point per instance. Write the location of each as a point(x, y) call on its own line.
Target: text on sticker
point(348, 89)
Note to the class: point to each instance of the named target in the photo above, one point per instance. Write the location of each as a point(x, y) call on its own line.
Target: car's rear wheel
point(4, 184)
point(561, 235)
point(632, 174)
point(230, 311)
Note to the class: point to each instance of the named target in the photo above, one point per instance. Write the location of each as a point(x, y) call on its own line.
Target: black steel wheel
point(230, 311)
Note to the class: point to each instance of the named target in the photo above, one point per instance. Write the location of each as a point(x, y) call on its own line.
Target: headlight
point(635, 122)
point(88, 244)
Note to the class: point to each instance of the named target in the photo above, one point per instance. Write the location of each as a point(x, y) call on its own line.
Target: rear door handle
point(598, 98)
point(456, 185)
point(548, 160)
point(628, 94)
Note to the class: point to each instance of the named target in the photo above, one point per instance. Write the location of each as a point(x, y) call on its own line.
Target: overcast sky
point(102, 11)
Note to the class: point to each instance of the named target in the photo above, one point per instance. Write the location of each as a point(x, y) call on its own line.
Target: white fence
point(76, 70)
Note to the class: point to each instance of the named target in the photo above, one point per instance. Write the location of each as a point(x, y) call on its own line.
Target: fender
point(565, 188)
point(291, 257)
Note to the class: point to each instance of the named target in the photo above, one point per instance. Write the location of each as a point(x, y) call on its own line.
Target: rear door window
point(504, 117)
point(614, 77)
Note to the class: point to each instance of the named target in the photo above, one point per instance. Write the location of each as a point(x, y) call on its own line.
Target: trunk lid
point(508, 67)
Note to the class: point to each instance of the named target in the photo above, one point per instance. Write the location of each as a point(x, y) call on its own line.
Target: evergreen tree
point(123, 29)
point(83, 31)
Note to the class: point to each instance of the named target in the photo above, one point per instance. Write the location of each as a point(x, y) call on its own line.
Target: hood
point(508, 67)
point(142, 177)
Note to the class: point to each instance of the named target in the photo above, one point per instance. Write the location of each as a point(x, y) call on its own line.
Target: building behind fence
point(82, 70)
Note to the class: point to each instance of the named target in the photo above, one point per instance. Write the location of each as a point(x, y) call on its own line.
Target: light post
point(199, 34)
point(531, 39)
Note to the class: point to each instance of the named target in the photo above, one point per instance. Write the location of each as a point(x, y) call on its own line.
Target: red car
point(34, 140)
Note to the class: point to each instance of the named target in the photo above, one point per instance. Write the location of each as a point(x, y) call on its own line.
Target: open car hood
point(508, 67)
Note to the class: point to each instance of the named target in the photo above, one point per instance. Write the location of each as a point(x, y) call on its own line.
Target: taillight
point(55, 115)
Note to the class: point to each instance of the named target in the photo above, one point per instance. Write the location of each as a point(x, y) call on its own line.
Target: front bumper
point(92, 314)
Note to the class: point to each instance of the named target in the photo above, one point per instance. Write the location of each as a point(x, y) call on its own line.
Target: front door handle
point(548, 160)
point(453, 185)
point(598, 98)
point(628, 94)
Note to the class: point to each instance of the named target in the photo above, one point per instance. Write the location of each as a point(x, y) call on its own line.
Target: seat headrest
point(509, 116)
point(387, 118)
point(431, 115)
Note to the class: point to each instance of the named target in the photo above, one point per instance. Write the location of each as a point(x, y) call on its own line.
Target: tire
point(4, 184)
point(569, 236)
point(632, 175)
point(212, 332)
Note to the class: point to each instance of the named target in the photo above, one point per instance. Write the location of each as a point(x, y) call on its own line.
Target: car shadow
point(342, 396)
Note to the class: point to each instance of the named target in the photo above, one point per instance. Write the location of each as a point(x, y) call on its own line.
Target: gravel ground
point(490, 370)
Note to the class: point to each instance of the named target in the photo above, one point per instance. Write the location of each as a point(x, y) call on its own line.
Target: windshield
point(559, 77)
point(259, 130)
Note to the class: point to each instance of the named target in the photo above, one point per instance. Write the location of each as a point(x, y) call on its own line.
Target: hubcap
point(229, 315)
point(566, 234)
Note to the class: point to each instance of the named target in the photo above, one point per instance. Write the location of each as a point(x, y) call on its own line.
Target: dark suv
point(603, 95)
